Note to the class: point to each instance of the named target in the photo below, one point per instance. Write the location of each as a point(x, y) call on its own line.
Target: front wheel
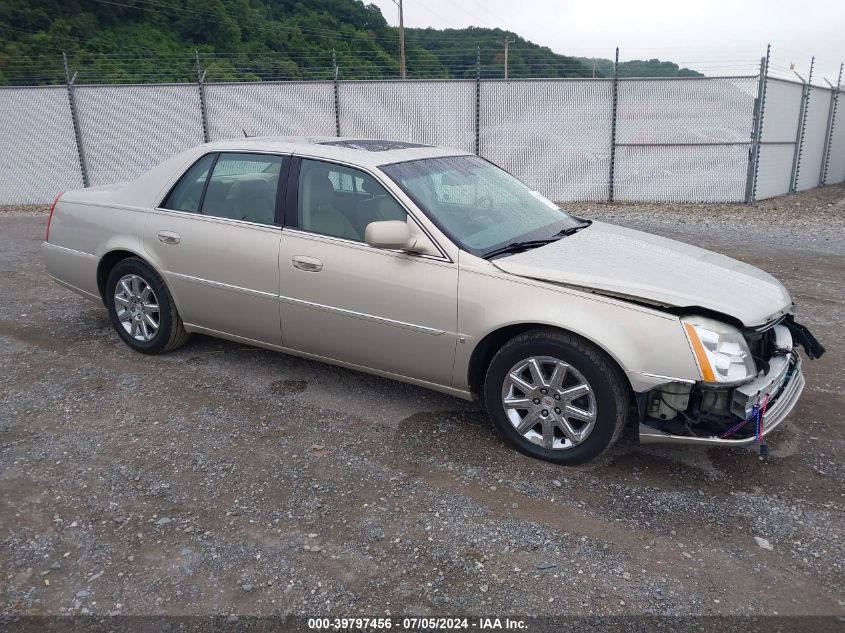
point(141, 308)
point(556, 397)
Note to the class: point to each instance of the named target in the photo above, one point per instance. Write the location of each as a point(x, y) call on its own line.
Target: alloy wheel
point(549, 402)
point(137, 308)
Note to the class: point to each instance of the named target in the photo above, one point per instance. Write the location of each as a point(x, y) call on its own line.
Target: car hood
point(625, 263)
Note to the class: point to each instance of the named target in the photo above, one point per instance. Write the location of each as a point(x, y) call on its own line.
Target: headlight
point(720, 349)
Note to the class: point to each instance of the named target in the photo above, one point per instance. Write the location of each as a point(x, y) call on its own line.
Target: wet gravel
point(222, 479)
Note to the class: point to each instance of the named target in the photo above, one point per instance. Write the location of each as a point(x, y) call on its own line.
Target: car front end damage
point(751, 380)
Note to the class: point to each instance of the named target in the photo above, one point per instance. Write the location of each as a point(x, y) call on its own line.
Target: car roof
point(366, 152)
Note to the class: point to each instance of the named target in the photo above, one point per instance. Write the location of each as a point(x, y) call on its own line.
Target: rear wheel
point(141, 308)
point(556, 397)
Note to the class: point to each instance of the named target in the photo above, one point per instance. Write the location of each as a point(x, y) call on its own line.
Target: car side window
point(341, 201)
point(243, 187)
point(187, 194)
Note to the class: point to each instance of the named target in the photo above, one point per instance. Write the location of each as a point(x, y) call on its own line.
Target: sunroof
point(369, 145)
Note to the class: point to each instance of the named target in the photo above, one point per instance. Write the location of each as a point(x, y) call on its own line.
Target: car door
point(342, 299)
point(216, 239)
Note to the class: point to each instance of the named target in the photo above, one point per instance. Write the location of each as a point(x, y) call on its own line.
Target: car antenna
point(245, 134)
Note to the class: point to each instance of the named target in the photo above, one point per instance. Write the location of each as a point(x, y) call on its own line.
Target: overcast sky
point(725, 36)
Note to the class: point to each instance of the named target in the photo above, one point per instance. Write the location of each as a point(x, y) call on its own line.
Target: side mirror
point(389, 234)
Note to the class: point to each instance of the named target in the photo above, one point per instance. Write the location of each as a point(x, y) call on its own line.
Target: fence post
point(614, 103)
point(831, 121)
point(74, 117)
point(757, 129)
point(336, 93)
point(802, 126)
point(477, 100)
point(203, 108)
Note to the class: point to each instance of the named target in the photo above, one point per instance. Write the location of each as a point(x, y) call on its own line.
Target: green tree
point(147, 41)
point(208, 22)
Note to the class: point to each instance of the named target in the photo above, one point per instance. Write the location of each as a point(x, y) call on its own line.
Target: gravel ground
point(222, 479)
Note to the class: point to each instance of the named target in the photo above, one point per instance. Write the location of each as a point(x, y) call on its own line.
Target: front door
point(217, 241)
point(344, 300)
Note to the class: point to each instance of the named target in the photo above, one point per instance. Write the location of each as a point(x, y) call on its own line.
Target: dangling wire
point(761, 442)
point(757, 413)
point(753, 415)
point(760, 413)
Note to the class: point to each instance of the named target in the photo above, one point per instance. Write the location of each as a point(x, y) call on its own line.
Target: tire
point(140, 335)
point(601, 410)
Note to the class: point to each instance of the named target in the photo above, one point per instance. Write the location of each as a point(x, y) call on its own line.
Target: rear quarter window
point(187, 193)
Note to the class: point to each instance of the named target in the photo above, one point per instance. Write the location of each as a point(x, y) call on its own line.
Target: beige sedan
point(435, 267)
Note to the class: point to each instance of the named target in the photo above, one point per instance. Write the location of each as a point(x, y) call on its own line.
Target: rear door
point(216, 238)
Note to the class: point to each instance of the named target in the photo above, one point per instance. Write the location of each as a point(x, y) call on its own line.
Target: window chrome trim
point(422, 329)
point(202, 216)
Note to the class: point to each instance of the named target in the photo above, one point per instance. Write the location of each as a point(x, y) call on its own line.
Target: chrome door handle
point(308, 264)
point(169, 237)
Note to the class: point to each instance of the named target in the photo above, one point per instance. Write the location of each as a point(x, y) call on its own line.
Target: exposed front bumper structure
point(784, 383)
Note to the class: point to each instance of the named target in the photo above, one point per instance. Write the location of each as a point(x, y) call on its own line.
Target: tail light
point(50, 219)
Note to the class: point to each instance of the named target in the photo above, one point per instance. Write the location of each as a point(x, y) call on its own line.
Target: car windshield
point(479, 206)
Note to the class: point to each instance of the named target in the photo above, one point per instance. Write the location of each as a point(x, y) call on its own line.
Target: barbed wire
point(141, 65)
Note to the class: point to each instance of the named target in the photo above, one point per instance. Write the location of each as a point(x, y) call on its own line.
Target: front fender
point(648, 345)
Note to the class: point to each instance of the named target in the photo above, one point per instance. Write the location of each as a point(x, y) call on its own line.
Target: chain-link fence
point(684, 139)
point(554, 134)
point(38, 153)
point(725, 139)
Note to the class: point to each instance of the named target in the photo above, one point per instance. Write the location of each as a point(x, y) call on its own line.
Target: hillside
point(638, 68)
point(457, 50)
point(110, 41)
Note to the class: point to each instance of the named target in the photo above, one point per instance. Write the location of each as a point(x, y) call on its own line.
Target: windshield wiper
point(515, 247)
point(573, 229)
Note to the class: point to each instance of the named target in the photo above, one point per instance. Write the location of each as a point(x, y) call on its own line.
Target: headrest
point(322, 191)
point(371, 186)
point(248, 188)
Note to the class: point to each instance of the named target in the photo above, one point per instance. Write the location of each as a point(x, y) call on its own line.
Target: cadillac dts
point(435, 267)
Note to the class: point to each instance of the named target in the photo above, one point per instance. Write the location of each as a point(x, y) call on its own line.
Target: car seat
point(322, 216)
point(252, 200)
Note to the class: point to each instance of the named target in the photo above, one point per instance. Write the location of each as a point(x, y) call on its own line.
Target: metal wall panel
point(554, 134)
point(683, 140)
point(780, 128)
point(814, 137)
point(126, 130)
point(270, 109)
point(783, 106)
point(774, 169)
point(836, 166)
point(431, 112)
point(38, 156)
